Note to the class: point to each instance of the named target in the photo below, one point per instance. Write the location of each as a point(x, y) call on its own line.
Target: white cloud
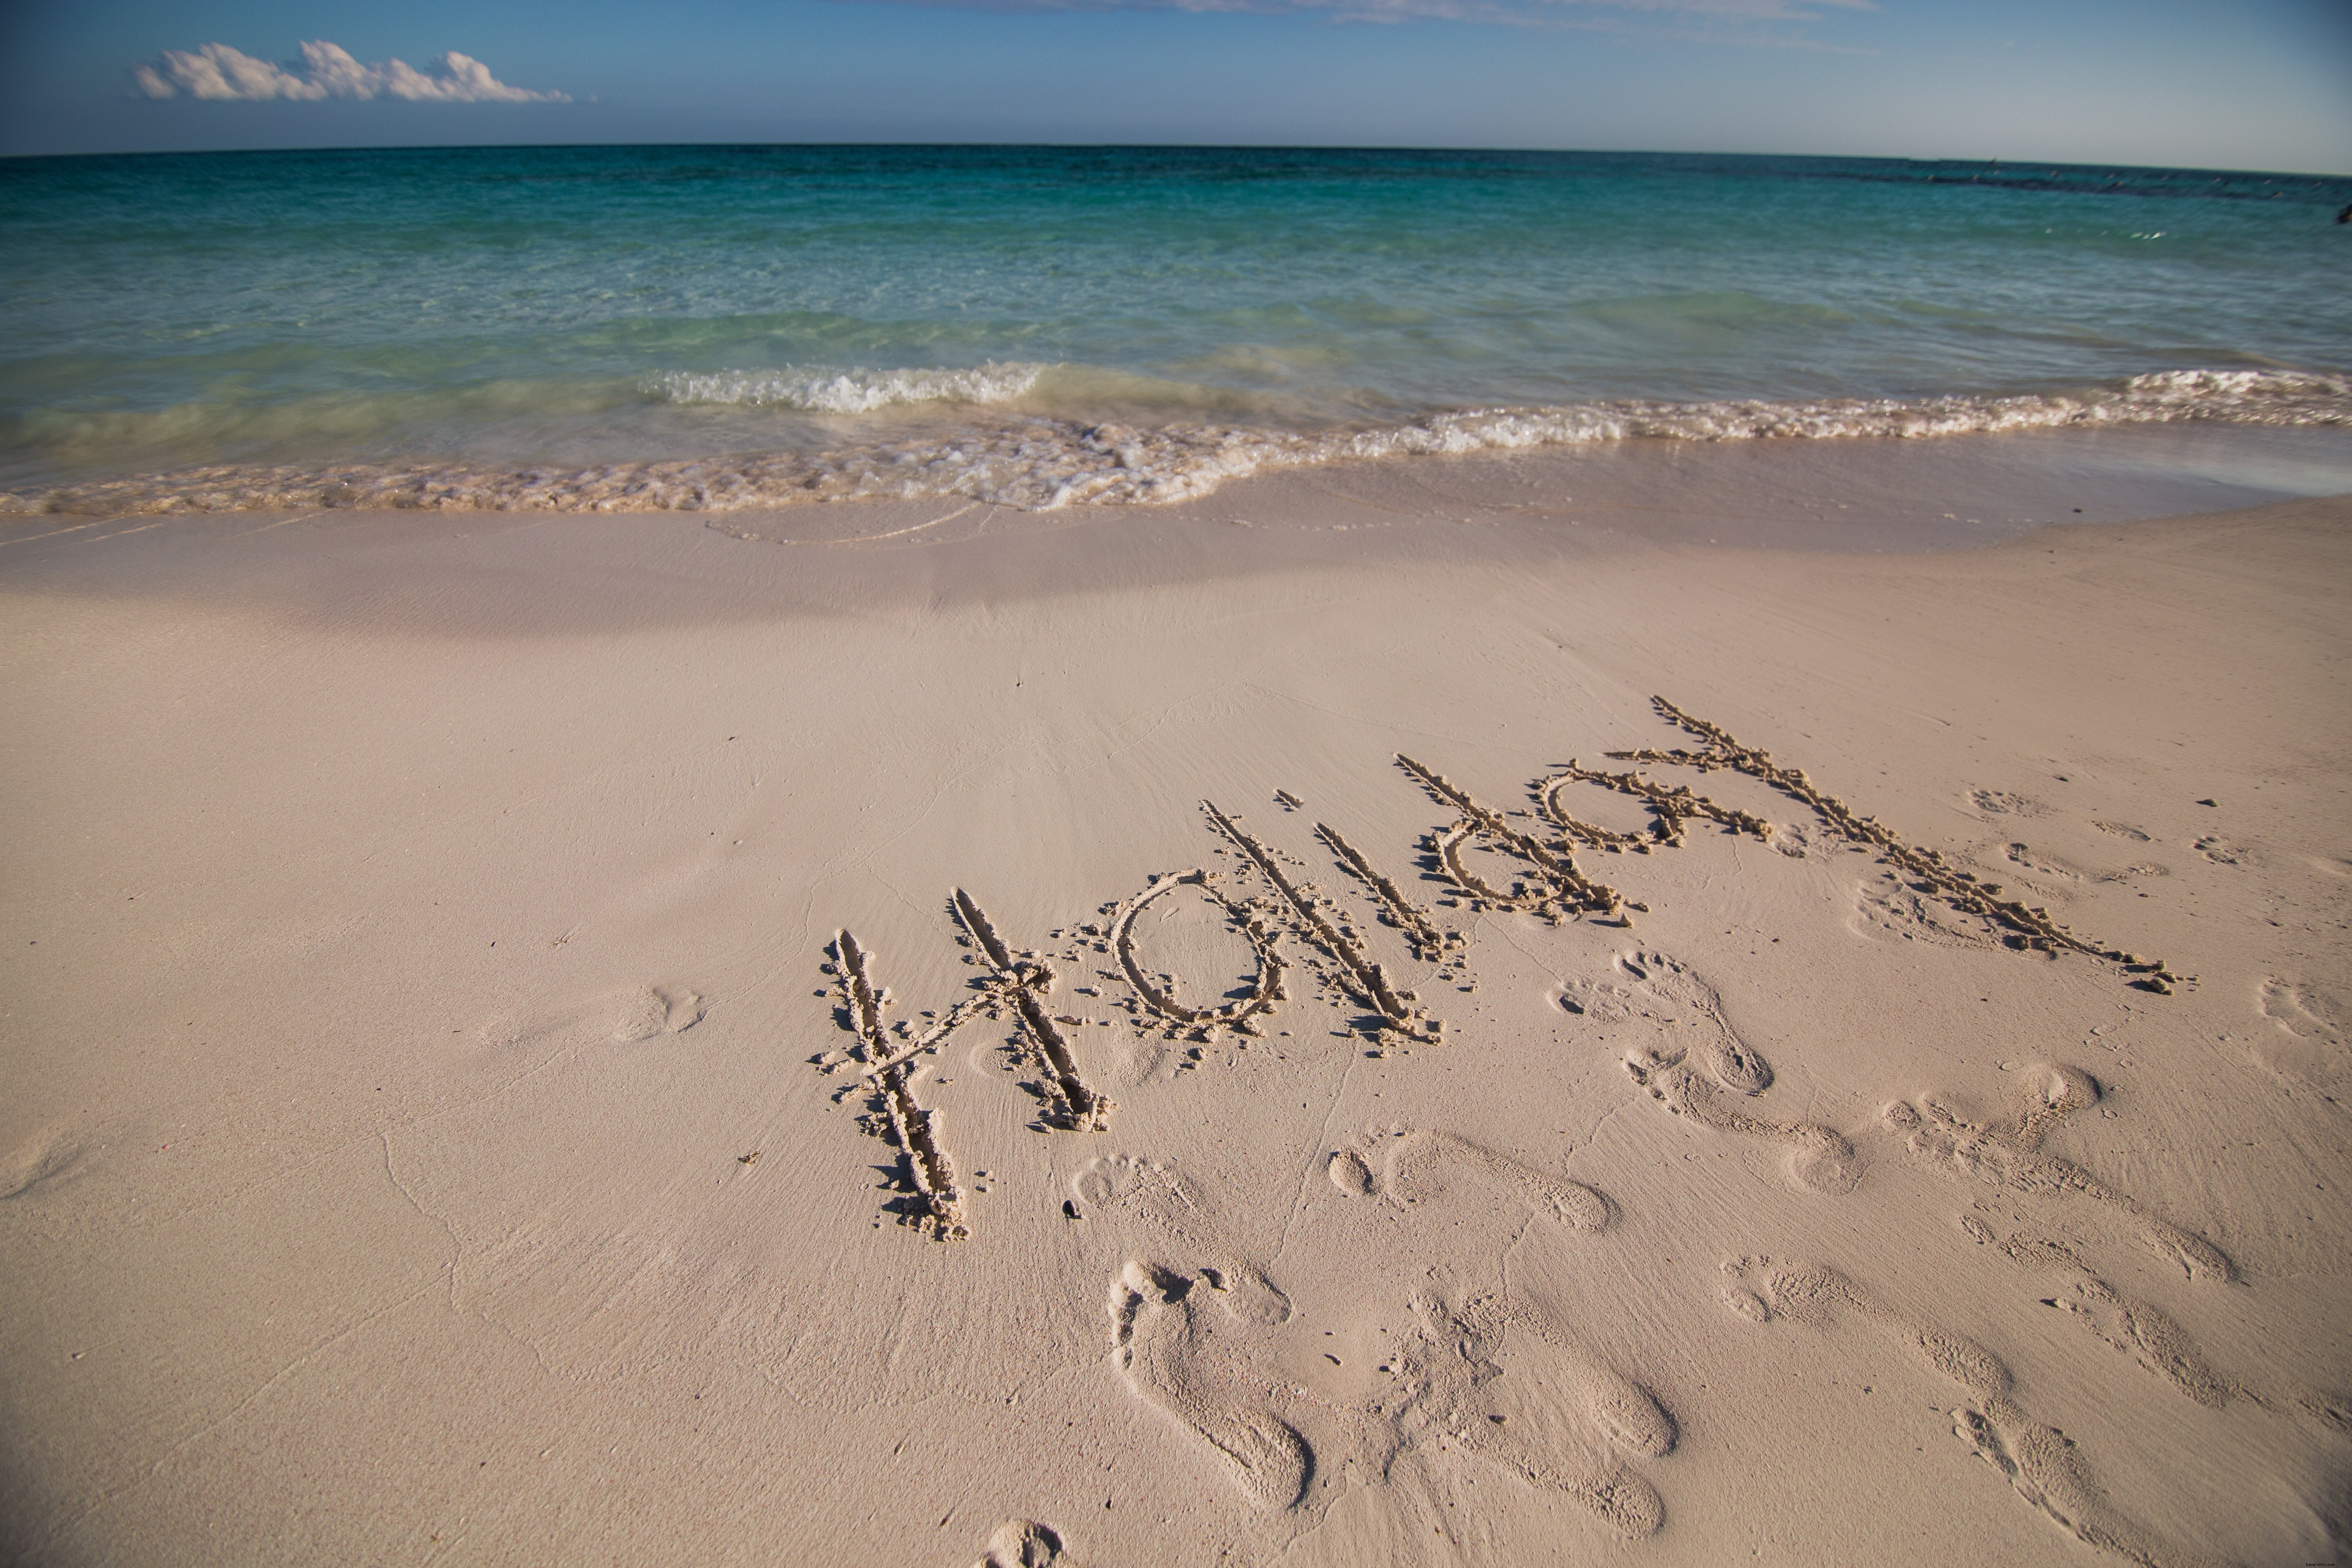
point(327, 70)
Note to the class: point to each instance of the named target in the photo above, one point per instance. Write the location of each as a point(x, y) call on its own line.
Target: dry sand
point(445, 1121)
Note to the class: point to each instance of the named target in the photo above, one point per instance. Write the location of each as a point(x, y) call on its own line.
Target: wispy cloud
point(327, 70)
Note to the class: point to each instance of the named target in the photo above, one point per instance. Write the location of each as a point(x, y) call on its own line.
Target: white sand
point(415, 927)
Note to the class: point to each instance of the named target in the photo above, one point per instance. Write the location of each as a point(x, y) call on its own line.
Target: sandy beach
point(1493, 1012)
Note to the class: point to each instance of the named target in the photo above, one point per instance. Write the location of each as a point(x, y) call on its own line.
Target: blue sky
point(2263, 84)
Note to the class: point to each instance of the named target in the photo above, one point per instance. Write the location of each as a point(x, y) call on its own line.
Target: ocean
point(716, 327)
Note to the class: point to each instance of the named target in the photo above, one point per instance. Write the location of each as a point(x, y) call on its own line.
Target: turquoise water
point(713, 326)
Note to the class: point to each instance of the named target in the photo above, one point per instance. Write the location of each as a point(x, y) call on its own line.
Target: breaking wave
point(821, 390)
point(1037, 463)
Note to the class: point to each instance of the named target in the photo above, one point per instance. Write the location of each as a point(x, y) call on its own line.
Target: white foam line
point(894, 533)
point(77, 528)
point(281, 522)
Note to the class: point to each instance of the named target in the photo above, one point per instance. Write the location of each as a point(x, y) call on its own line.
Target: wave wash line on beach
point(1039, 464)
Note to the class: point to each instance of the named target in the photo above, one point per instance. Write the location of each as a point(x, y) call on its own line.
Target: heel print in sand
point(1495, 1377)
point(1503, 1382)
point(1164, 1342)
point(1410, 1165)
point(2039, 1462)
point(2149, 1337)
point(2007, 1155)
point(2043, 1464)
point(1703, 1069)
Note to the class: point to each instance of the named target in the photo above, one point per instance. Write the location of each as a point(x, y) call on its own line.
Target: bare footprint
point(1815, 1295)
point(1414, 1165)
point(2039, 1462)
point(652, 1010)
point(1663, 991)
point(1505, 1382)
point(1702, 1068)
point(2150, 1337)
point(2006, 1153)
point(40, 1167)
point(625, 1015)
point(2006, 803)
point(1024, 1543)
point(1156, 1208)
point(2226, 851)
point(1819, 1158)
point(2305, 1038)
point(2042, 1463)
point(1165, 1345)
point(2041, 863)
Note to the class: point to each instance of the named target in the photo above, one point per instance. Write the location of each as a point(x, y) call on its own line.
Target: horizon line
point(2315, 176)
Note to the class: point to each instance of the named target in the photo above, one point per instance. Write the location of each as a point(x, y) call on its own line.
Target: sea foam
point(852, 391)
point(1038, 463)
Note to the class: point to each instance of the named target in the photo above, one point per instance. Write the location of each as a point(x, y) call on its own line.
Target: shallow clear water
point(728, 326)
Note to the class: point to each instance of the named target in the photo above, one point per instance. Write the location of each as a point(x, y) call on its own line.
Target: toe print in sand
point(1166, 1345)
point(2046, 1469)
point(1700, 1068)
point(1448, 1389)
point(2006, 1153)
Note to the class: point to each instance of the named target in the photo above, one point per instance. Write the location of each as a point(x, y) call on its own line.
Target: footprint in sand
point(1166, 1343)
point(1703, 1068)
point(1503, 1381)
point(2152, 1339)
point(1025, 1543)
point(2043, 1466)
point(1663, 991)
point(2042, 863)
point(1196, 1340)
point(1409, 1166)
point(624, 1015)
point(1492, 1376)
point(2305, 1038)
point(2007, 1153)
point(2225, 851)
point(2006, 803)
point(1190, 1323)
point(1761, 1291)
point(2039, 1462)
point(654, 1010)
point(1157, 1209)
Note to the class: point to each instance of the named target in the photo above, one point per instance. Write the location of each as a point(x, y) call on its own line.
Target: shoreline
point(420, 922)
point(951, 449)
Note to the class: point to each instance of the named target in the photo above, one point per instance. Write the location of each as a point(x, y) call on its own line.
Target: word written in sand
point(1262, 897)
point(2030, 928)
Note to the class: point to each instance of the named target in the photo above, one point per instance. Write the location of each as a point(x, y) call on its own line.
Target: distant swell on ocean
point(993, 453)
